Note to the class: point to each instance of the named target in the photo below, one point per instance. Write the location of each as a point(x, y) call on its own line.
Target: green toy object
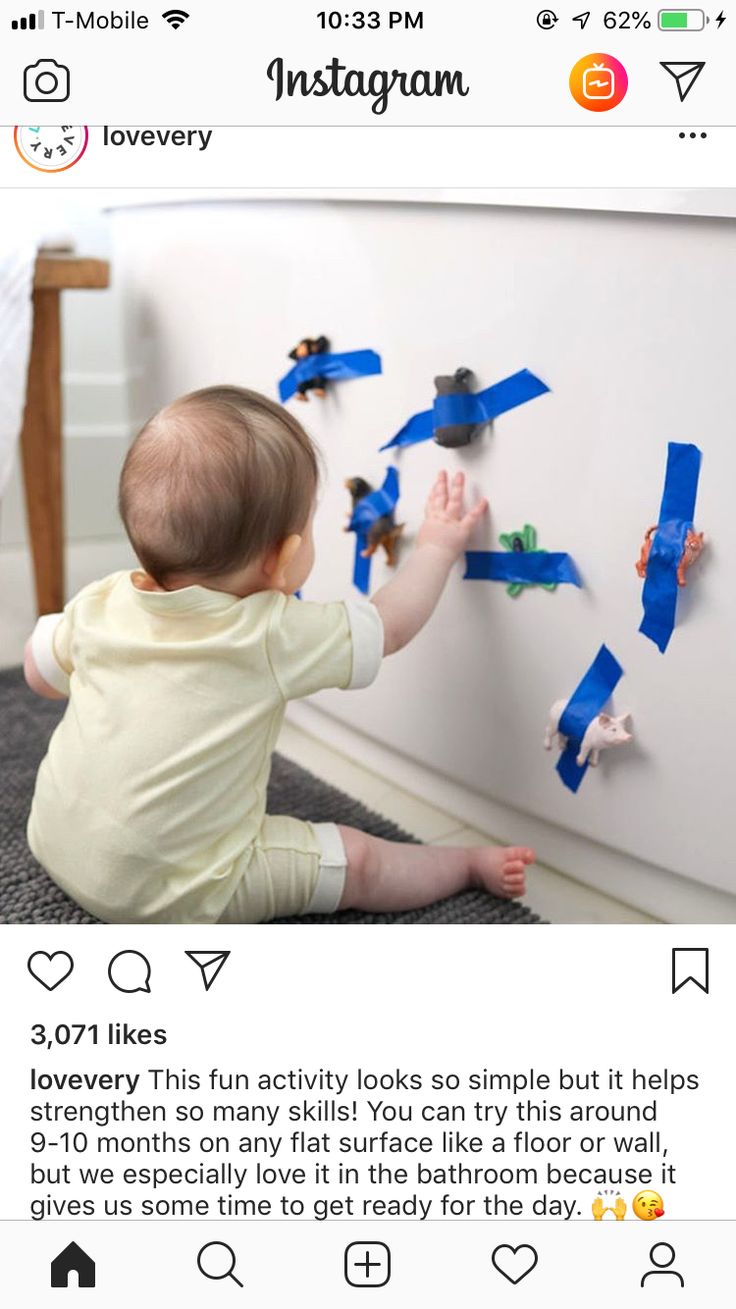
point(520, 543)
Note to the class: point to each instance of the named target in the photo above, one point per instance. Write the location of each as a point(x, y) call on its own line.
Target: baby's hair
point(214, 481)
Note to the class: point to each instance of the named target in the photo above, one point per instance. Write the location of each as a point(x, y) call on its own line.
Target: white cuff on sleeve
point(42, 649)
point(366, 632)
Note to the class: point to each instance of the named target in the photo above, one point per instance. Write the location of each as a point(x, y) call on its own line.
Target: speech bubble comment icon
point(130, 971)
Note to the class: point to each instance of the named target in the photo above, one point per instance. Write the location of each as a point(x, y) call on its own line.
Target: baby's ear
point(604, 719)
point(277, 563)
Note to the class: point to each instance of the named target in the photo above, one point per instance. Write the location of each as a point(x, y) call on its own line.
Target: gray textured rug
point(27, 895)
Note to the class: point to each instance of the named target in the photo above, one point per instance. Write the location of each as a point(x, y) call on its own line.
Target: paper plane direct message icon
point(209, 963)
point(690, 965)
point(685, 75)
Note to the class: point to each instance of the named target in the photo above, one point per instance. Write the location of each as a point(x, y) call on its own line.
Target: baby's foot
point(500, 869)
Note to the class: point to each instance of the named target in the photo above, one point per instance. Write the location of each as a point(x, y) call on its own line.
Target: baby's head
point(219, 489)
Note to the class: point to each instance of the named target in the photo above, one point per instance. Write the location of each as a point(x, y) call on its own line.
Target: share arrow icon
point(685, 75)
point(209, 963)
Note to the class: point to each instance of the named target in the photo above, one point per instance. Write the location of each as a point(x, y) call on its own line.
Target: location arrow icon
point(685, 75)
point(209, 963)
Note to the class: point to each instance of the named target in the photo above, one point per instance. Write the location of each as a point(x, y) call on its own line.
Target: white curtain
point(17, 261)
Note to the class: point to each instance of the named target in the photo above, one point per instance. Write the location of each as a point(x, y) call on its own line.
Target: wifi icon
point(175, 17)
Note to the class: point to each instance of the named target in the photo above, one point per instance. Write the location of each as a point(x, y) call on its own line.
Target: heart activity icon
point(514, 1262)
point(50, 969)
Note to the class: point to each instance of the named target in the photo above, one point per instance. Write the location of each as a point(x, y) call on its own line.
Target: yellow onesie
point(150, 805)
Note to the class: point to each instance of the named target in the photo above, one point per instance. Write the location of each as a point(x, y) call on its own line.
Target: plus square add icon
point(367, 1263)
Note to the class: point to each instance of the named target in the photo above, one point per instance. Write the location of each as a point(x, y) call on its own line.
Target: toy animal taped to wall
point(316, 367)
point(523, 566)
point(454, 434)
point(671, 546)
point(602, 731)
point(582, 729)
point(459, 413)
point(692, 550)
point(373, 519)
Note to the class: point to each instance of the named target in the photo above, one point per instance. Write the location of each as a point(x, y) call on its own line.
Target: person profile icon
point(662, 1255)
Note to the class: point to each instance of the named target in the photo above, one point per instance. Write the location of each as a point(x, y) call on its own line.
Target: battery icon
point(682, 20)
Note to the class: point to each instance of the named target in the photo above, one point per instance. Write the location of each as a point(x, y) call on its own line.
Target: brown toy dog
point(384, 532)
point(310, 345)
point(694, 546)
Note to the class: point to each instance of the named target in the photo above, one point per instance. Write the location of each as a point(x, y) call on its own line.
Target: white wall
point(629, 318)
point(98, 423)
point(97, 417)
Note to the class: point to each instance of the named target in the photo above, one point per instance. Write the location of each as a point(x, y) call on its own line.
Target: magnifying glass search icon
point(216, 1260)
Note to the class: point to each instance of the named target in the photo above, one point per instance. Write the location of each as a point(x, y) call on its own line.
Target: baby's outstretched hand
point(446, 523)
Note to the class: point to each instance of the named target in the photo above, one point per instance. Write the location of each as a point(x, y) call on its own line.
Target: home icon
point(72, 1260)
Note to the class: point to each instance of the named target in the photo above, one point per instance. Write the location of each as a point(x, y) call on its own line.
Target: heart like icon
point(50, 969)
point(514, 1262)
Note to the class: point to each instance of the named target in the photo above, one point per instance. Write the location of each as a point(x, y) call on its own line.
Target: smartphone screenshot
point(366, 532)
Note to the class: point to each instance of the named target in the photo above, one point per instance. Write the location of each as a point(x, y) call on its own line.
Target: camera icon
point(46, 80)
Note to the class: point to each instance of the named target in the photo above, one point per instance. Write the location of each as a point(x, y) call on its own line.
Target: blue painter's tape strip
point(527, 568)
point(449, 410)
point(334, 367)
point(418, 428)
point(373, 506)
point(481, 407)
point(586, 701)
point(508, 394)
point(362, 565)
point(680, 483)
point(659, 595)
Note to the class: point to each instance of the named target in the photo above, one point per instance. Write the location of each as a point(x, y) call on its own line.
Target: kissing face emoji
point(647, 1205)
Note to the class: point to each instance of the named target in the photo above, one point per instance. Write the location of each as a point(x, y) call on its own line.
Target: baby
point(150, 805)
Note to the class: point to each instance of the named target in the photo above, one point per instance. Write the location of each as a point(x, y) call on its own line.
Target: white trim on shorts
point(333, 867)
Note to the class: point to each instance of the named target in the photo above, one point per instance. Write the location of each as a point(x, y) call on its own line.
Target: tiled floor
point(553, 896)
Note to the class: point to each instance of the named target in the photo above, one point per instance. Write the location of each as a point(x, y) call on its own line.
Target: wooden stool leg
point(41, 453)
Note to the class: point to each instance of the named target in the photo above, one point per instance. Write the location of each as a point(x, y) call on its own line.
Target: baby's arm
point(34, 678)
point(46, 659)
point(406, 602)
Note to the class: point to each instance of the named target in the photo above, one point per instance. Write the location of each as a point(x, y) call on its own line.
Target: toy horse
point(694, 546)
point(385, 531)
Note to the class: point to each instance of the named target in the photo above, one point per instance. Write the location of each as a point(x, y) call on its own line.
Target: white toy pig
point(602, 731)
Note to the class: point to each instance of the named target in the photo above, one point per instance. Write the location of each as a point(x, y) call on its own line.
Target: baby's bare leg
point(391, 875)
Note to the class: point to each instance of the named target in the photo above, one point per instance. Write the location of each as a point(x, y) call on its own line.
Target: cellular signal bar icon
point(33, 23)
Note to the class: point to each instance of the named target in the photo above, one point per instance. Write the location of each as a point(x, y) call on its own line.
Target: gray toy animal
point(462, 382)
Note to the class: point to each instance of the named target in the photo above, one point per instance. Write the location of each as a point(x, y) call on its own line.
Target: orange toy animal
point(694, 546)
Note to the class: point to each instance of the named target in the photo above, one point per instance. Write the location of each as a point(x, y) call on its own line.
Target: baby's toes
point(513, 867)
point(521, 852)
point(514, 884)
